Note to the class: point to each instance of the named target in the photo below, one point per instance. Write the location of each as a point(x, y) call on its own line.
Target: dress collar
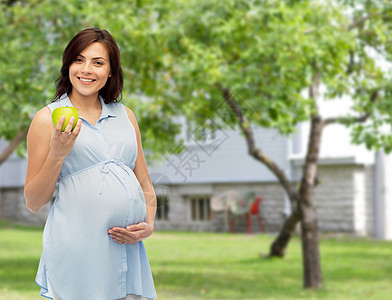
point(106, 108)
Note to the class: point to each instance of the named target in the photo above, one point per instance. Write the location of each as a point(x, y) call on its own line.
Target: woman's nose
point(87, 68)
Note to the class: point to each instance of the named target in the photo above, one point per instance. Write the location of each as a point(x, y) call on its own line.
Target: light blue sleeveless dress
point(97, 191)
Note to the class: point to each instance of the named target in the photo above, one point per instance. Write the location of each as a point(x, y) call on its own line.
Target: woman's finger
point(114, 234)
point(120, 238)
point(77, 128)
point(68, 128)
point(121, 241)
point(122, 233)
point(137, 227)
point(60, 124)
point(120, 230)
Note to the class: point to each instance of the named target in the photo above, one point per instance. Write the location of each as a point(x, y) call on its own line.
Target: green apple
point(66, 111)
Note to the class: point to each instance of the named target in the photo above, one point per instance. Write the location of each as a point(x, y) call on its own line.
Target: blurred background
point(263, 123)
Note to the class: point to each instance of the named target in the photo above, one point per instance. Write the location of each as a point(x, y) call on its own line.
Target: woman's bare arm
point(47, 148)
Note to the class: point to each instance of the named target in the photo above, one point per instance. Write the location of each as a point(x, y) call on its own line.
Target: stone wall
point(271, 208)
point(343, 199)
point(13, 207)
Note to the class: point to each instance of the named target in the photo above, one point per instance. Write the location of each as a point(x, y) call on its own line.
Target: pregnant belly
point(103, 202)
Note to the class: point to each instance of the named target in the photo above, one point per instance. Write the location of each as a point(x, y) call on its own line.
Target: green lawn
point(189, 265)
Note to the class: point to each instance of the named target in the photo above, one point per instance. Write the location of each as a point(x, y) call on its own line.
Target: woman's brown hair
point(112, 91)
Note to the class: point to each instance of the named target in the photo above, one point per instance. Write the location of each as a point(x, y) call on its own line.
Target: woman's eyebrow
point(95, 58)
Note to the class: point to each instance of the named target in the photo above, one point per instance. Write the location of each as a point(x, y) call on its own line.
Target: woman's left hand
point(132, 233)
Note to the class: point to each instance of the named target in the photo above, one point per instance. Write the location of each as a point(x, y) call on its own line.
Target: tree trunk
point(20, 136)
point(307, 210)
point(278, 247)
point(310, 248)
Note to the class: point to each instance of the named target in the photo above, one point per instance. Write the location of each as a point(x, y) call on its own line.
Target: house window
point(200, 208)
point(162, 207)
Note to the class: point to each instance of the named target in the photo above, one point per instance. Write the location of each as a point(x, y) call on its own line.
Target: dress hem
point(45, 289)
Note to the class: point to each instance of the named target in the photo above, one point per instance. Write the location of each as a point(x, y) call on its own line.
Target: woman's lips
point(86, 81)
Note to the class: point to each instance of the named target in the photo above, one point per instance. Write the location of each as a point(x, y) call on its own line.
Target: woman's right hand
point(47, 147)
point(61, 143)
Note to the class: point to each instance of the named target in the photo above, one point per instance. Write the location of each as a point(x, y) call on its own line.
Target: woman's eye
point(99, 63)
point(78, 60)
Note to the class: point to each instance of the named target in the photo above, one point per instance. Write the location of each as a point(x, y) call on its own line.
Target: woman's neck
point(89, 108)
point(85, 103)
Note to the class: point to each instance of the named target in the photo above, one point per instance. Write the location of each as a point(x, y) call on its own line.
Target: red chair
point(254, 209)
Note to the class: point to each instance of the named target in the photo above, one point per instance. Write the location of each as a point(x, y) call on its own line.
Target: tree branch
point(314, 87)
point(253, 151)
point(358, 22)
point(20, 136)
point(350, 65)
point(360, 119)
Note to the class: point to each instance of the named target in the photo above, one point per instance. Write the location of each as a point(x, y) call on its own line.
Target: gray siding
point(13, 170)
point(225, 159)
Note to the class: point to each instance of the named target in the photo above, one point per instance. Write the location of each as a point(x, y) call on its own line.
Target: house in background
point(353, 195)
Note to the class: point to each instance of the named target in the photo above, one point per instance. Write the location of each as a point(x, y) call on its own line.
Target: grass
point(189, 265)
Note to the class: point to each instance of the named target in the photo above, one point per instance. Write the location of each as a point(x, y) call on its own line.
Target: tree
point(34, 35)
point(269, 53)
point(187, 56)
point(30, 60)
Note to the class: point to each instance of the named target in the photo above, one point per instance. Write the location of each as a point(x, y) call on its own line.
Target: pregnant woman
point(105, 207)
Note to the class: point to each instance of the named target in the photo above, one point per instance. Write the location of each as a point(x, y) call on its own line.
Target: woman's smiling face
point(90, 70)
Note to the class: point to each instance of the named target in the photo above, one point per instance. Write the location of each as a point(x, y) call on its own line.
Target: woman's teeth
point(86, 80)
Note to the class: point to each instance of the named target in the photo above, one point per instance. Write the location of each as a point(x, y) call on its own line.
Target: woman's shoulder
point(112, 107)
point(44, 116)
point(42, 119)
point(62, 101)
point(130, 114)
point(115, 105)
point(119, 107)
point(53, 105)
